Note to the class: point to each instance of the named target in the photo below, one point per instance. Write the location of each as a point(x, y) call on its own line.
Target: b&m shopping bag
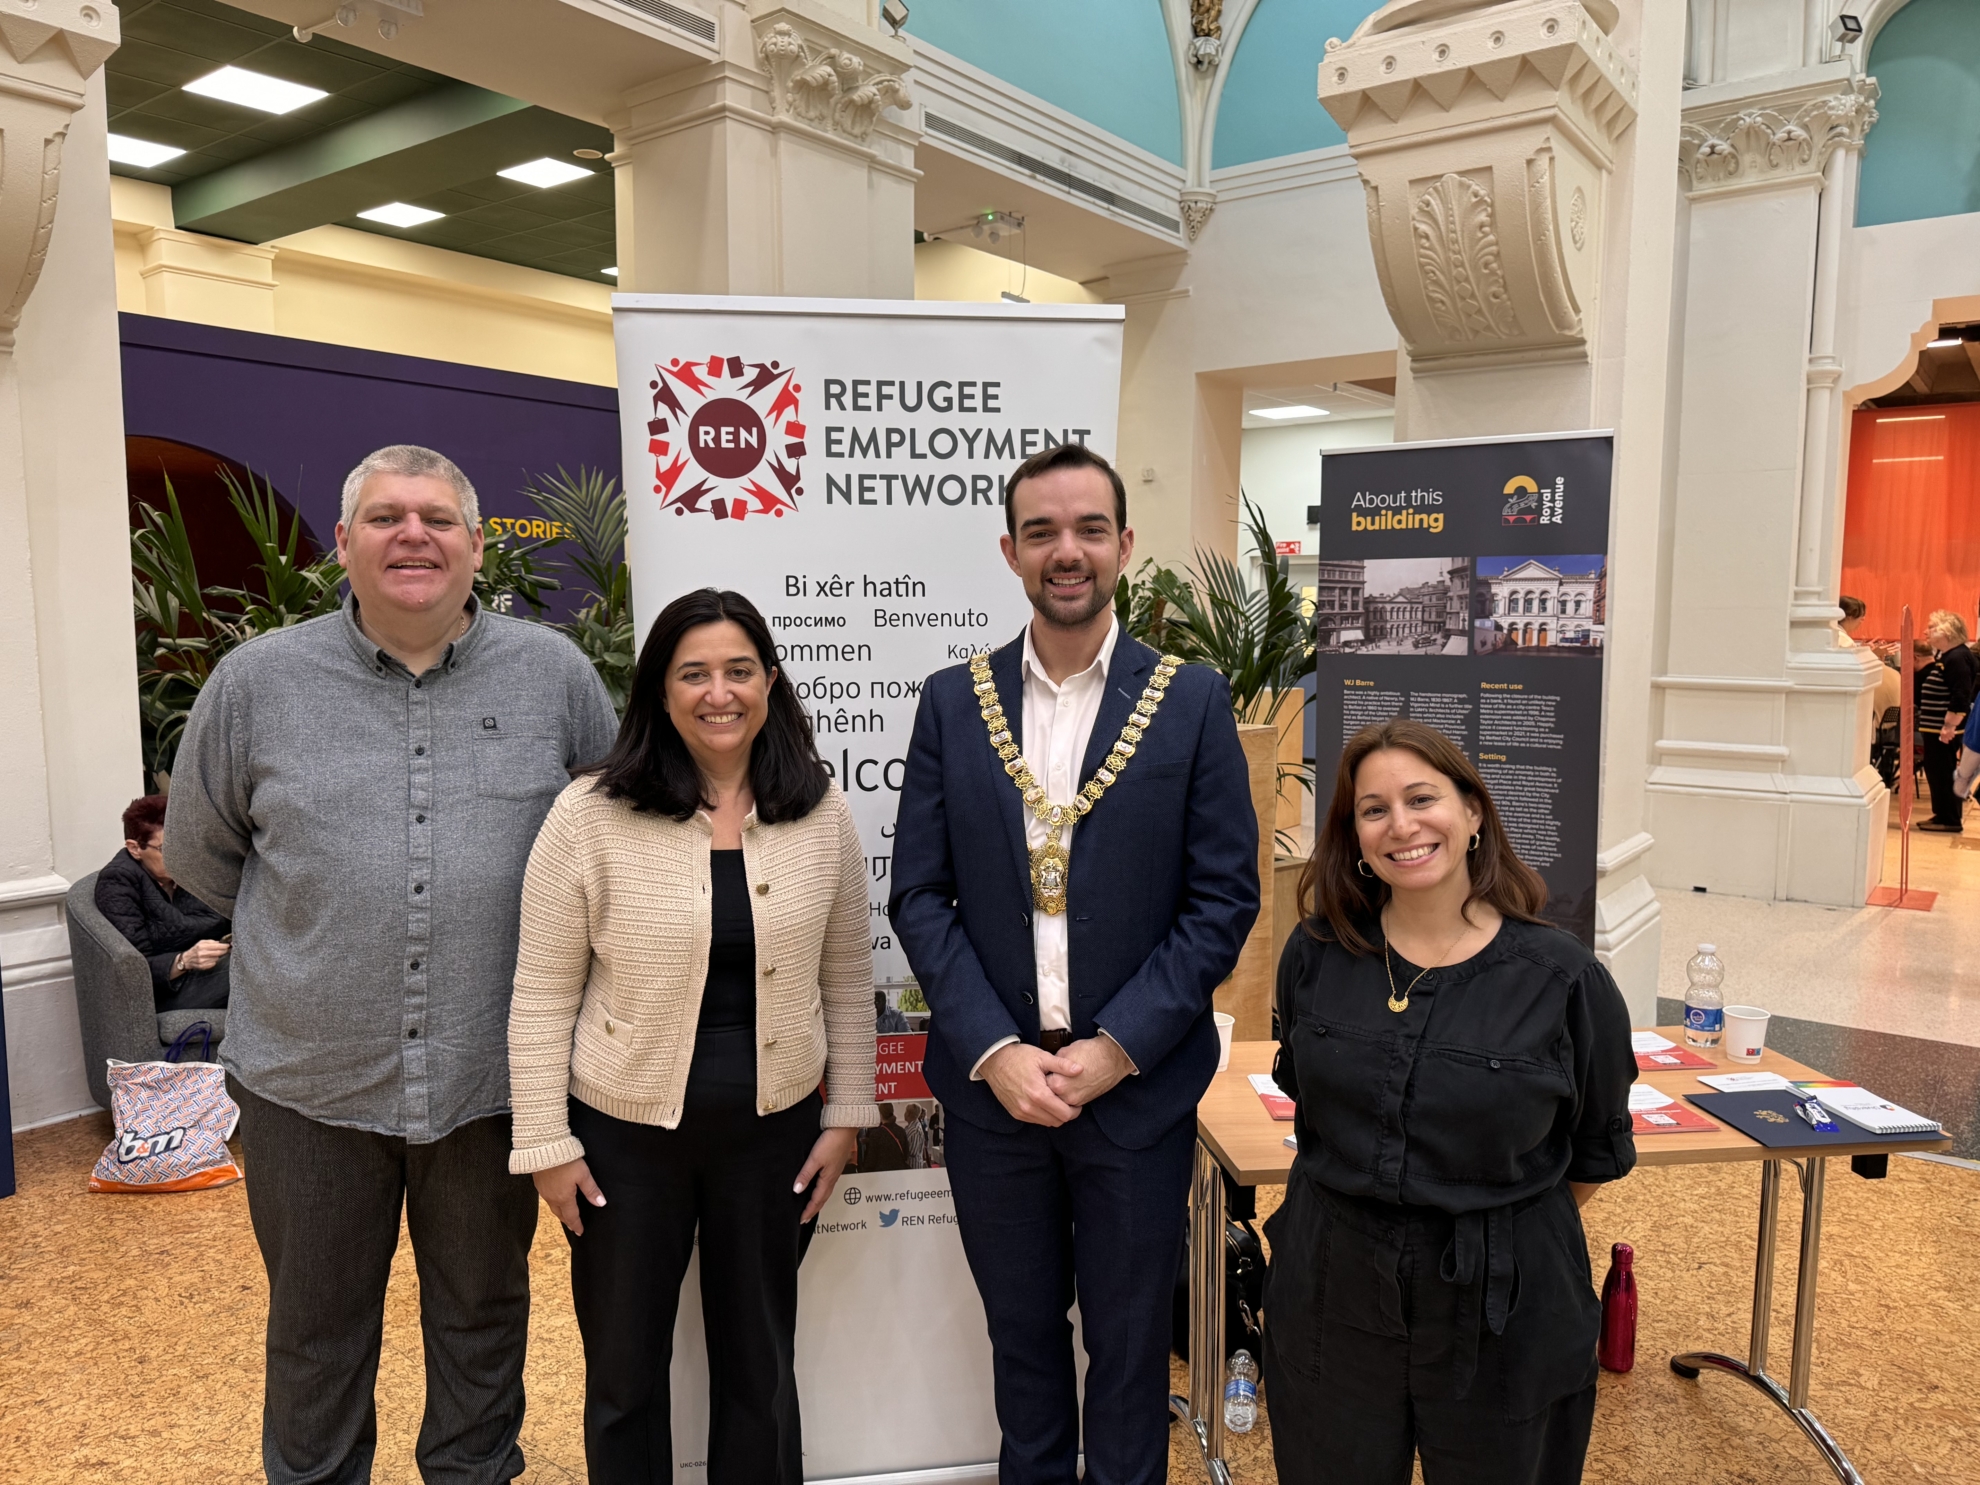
point(173, 1120)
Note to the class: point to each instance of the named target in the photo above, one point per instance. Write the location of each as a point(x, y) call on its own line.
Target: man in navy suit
point(1070, 966)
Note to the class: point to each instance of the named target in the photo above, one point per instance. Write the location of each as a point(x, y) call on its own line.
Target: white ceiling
point(1338, 401)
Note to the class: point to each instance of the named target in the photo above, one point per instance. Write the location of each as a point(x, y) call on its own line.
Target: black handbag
point(1244, 1292)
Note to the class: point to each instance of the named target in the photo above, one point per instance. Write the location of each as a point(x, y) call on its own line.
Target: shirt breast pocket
point(1477, 1117)
point(521, 760)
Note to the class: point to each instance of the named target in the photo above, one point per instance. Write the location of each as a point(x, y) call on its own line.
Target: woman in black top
point(183, 940)
point(1942, 693)
point(1461, 1073)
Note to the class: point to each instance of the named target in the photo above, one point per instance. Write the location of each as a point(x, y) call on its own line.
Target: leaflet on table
point(1671, 1061)
point(1655, 1112)
point(1272, 1096)
point(1649, 1041)
point(1866, 1110)
point(1465, 586)
point(1746, 1082)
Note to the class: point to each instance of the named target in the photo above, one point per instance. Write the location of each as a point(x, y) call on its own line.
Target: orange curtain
point(1911, 533)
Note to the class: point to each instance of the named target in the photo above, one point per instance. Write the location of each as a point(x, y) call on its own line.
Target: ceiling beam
point(449, 136)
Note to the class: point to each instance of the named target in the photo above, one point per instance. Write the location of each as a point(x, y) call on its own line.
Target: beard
point(1059, 614)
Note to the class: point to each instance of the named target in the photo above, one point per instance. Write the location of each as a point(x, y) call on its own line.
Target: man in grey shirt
point(360, 794)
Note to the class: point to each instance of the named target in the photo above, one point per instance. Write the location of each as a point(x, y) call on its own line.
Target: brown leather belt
point(1054, 1039)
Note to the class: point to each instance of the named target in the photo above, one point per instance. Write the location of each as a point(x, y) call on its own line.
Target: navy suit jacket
point(1163, 889)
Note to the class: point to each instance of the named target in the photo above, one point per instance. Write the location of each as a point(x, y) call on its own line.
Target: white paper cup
point(1746, 1032)
point(1225, 1021)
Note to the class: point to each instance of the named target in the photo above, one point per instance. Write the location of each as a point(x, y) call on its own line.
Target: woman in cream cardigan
point(694, 958)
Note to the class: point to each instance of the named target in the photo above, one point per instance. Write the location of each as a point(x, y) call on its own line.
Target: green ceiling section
point(386, 132)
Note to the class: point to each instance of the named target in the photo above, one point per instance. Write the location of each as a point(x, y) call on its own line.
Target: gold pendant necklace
point(1051, 863)
point(1399, 1004)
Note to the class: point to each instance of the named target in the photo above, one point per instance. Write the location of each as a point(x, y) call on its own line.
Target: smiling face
point(1413, 823)
point(408, 548)
point(718, 694)
point(1068, 550)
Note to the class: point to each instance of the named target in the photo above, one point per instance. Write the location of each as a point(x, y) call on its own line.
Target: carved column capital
point(48, 49)
point(827, 78)
point(1782, 136)
point(1196, 207)
point(1484, 134)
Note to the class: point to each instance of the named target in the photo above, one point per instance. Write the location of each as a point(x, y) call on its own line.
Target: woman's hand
point(559, 1187)
point(202, 955)
point(828, 1159)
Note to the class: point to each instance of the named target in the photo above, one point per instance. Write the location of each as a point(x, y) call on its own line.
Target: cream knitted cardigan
point(614, 954)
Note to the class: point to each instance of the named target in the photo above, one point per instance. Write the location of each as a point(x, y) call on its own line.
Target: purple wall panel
point(303, 413)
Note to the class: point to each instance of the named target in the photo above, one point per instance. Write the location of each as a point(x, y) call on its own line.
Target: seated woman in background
point(183, 939)
point(1460, 1074)
point(694, 957)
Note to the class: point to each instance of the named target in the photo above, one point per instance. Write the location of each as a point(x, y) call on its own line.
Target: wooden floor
point(131, 1330)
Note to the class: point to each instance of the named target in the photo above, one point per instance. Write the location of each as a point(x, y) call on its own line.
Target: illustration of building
point(1457, 605)
point(1337, 604)
point(1534, 604)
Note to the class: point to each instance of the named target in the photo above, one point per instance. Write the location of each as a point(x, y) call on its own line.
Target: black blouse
point(723, 1071)
point(1508, 1072)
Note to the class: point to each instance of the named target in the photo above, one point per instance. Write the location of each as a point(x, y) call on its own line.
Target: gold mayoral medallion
point(1051, 863)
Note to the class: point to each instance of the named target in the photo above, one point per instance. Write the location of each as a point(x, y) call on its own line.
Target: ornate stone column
point(1521, 216)
point(1485, 135)
point(785, 168)
point(67, 671)
point(1763, 785)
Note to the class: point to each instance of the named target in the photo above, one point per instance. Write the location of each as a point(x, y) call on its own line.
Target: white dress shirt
point(1058, 725)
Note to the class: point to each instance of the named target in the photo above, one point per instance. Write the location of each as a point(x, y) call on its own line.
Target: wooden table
point(1237, 1138)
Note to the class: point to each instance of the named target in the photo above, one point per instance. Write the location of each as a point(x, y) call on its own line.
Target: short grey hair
point(412, 461)
point(1945, 621)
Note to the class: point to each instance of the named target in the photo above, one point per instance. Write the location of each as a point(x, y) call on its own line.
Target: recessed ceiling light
point(254, 90)
point(1932, 345)
point(125, 150)
point(544, 173)
point(398, 214)
point(609, 272)
point(1297, 410)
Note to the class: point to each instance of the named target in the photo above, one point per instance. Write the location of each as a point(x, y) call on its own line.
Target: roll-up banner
point(841, 462)
point(1466, 585)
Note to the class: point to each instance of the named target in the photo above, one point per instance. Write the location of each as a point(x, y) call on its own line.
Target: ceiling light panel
point(609, 272)
point(1298, 410)
point(544, 173)
point(398, 214)
point(142, 153)
point(254, 90)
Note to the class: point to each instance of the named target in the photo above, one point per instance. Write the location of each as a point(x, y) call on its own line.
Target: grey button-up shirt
point(367, 832)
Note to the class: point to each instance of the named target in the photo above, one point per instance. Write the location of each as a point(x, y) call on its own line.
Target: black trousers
point(1372, 1356)
point(325, 1204)
point(726, 1171)
point(1940, 760)
point(195, 990)
point(1048, 1215)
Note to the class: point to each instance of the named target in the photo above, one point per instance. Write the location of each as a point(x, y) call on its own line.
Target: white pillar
point(1763, 785)
point(69, 752)
point(785, 168)
point(1529, 145)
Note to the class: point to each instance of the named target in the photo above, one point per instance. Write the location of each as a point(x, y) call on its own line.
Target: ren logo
point(726, 438)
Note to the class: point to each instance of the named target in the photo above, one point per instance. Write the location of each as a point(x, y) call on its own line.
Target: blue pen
point(1811, 1109)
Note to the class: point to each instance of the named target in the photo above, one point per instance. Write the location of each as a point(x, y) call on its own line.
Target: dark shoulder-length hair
point(649, 766)
point(1337, 902)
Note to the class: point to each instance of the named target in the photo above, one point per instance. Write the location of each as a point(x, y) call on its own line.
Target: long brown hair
point(1337, 902)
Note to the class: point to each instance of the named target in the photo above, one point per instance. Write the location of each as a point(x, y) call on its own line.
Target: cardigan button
point(762, 889)
point(769, 969)
point(609, 1028)
point(1495, 1063)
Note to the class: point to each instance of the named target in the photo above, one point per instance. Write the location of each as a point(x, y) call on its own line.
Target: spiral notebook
point(1865, 1109)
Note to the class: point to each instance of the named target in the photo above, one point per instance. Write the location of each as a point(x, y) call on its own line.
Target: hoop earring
point(1474, 840)
point(1364, 868)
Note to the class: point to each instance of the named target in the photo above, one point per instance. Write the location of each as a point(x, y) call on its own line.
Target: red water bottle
point(1617, 1348)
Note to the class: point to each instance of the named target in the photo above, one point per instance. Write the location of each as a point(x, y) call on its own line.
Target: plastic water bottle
point(1241, 1393)
point(1704, 1005)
